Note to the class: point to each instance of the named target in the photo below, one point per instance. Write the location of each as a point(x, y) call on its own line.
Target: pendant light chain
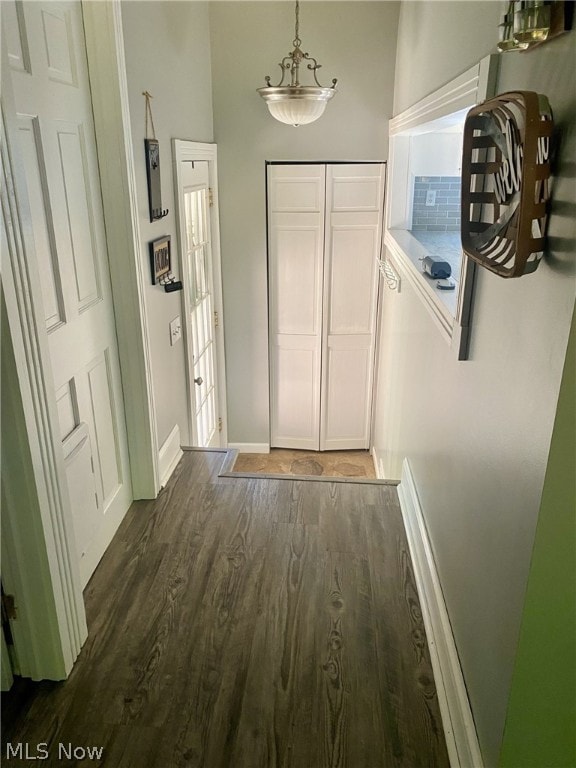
point(297, 42)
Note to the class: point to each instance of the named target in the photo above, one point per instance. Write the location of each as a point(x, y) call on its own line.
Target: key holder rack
point(152, 149)
point(161, 265)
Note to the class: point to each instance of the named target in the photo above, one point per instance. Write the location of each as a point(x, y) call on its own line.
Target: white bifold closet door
point(325, 226)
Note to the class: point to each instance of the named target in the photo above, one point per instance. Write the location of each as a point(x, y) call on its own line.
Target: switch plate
point(175, 331)
point(431, 197)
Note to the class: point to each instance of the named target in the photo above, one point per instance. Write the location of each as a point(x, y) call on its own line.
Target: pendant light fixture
point(297, 104)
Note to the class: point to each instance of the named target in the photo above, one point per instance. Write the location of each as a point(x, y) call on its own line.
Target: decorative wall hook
point(170, 283)
point(159, 213)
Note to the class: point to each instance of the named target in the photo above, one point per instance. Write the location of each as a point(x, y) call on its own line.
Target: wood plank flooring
point(248, 623)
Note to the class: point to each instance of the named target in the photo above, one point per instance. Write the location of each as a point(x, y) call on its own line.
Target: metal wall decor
point(153, 168)
point(506, 182)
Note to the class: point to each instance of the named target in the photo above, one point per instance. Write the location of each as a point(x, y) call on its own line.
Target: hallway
point(250, 623)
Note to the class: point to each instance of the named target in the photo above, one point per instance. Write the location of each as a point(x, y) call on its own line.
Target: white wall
point(436, 154)
point(478, 432)
point(355, 42)
point(438, 40)
point(167, 46)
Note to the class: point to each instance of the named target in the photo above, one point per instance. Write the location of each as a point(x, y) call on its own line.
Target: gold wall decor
point(526, 24)
point(506, 182)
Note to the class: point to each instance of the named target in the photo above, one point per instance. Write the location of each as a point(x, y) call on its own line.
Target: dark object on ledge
point(435, 268)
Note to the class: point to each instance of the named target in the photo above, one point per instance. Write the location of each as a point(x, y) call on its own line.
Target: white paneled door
point(325, 227)
point(50, 80)
point(296, 246)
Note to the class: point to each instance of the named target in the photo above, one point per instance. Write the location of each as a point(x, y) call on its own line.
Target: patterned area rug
point(281, 461)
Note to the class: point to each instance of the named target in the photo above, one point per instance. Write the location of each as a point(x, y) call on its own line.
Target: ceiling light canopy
point(294, 103)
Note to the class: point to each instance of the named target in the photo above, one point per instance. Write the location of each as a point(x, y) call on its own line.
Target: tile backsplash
point(444, 214)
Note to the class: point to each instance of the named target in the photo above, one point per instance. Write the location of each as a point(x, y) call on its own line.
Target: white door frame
point(191, 151)
point(108, 82)
point(40, 561)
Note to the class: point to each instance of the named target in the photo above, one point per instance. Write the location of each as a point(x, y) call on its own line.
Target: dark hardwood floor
point(247, 623)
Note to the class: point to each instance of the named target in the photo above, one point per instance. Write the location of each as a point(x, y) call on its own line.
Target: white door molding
point(192, 151)
point(40, 563)
point(107, 71)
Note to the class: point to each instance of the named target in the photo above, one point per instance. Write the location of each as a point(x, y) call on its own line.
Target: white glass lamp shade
point(296, 105)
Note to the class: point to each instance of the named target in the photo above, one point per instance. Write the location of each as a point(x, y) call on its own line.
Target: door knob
point(199, 380)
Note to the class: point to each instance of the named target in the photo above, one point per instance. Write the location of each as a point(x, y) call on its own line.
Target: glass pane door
point(197, 264)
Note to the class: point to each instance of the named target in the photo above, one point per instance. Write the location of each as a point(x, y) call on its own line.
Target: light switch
point(175, 330)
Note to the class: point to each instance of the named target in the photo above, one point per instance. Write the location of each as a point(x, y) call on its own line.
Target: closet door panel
point(297, 280)
point(296, 246)
point(296, 413)
point(353, 232)
point(352, 277)
point(348, 371)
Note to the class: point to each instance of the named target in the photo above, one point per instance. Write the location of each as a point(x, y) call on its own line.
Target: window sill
point(407, 252)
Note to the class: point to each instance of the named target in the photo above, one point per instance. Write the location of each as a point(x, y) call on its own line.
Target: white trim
point(250, 447)
point(201, 151)
point(459, 729)
point(108, 82)
point(460, 93)
point(378, 460)
point(38, 547)
point(169, 455)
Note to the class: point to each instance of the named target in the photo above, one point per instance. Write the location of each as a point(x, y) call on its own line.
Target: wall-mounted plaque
point(160, 259)
point(161, 265)
point(153, 177)
point(506, 182)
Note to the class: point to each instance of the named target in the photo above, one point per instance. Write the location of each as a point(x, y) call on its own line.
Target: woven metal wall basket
point(506, 182)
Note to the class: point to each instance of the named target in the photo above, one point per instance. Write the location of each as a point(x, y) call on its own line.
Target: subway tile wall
point(444, 214)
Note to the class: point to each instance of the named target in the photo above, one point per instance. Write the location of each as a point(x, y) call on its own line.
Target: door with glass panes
point(200, 318)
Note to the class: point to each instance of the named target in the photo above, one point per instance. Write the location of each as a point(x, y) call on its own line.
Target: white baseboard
point(459, 729)
point(250, 447)
point(169, 455)
point(378, 463)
